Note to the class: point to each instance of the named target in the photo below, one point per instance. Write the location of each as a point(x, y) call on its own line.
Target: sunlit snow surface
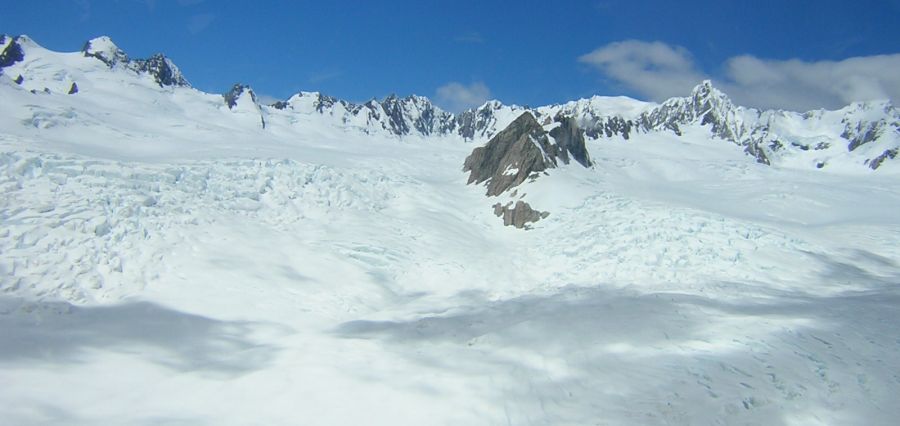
point(172, 265)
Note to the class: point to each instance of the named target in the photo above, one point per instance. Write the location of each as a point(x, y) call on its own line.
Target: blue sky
point(791, 54)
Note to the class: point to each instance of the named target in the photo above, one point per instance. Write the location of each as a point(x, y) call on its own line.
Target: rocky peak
point(521, 151)
point(416, 114)
point(105, 50)
point(395, 114)
point(243, 102)
point(237, 91)
point(483, 121)
point(163, 70)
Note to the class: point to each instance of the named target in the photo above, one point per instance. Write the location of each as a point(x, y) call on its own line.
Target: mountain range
point(858, 136)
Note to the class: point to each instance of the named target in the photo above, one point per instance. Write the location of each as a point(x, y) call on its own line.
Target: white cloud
point(800, 85)
point(200, 22)
point(457, 97)
point(660, 71)
point(653, 69)
point(469, 37)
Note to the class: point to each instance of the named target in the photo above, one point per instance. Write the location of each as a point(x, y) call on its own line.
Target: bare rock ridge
point(522, 150)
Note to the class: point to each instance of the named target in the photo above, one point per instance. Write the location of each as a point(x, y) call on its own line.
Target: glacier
point(168, 256)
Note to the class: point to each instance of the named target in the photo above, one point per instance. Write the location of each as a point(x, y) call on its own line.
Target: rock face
point(161, 68)
point(11, 51)
point(523, 150)
point(73, 89)
point(237, 91)
point(520, 215)
point(570, 140)
point(242, 101)
point(163, 71)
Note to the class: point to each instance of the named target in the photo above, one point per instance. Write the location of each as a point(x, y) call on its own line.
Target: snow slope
point(166, 259)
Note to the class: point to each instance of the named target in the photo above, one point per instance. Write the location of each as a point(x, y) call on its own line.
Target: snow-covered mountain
point(861, 135)
point(170, 256)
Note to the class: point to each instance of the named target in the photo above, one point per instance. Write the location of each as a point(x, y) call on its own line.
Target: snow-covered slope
point(174, 256)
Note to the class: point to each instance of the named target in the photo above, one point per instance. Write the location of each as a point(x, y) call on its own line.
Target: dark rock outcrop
point(523, 150)
point(570, 140)
point(876, 162)
point(163, 70)
point(73, 89)
point(19, 80)
point(231, 97)
point(862, 133)
point(238, 91)
point(520, 215)
point(517, 152)
point(12, 53)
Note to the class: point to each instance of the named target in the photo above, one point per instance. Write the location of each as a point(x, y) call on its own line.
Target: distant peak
point(706, 89)
point(236, 92)
point(105, 50)
point(491, 104)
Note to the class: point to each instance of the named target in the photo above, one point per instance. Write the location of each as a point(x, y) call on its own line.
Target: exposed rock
point(522, 150)
point(19, 80)
point(73, 89)
point(570, 140)
point(481, 121)
point(280, 105)
point(163, 70)
point(12, 53)
point(876, 162)
point(394, 111)
point(862, 133)
point(231, 97)
point(520, 215)
point(509, 158)
point(105, 50)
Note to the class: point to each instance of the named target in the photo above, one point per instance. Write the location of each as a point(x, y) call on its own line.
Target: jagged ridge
point(868, 130)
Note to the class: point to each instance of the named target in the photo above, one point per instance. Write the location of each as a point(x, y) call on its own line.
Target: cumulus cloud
point(800, 85)
point(659, 71)
point(457, 97)
point(653, 69)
